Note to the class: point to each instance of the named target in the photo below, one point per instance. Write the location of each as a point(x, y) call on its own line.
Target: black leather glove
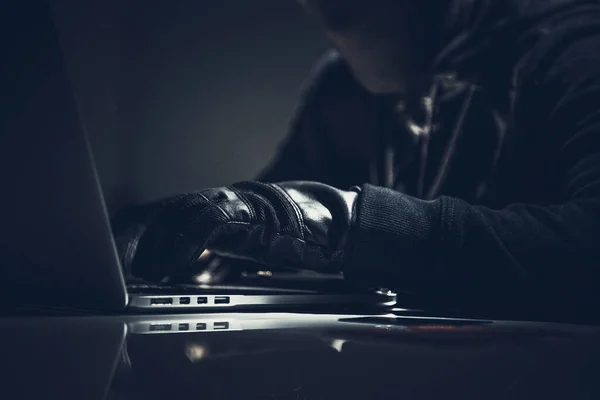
point(303, 225)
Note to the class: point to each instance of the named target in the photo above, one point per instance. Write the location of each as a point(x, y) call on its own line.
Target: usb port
point(222, 300)
point(184, 300)
point(202, 300)
point(221, 325)
point(161, 301)
point(201, 326)
point(160, 327)
point(184, 327)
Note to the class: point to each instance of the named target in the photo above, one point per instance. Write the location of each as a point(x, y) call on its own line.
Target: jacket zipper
point(423, 133)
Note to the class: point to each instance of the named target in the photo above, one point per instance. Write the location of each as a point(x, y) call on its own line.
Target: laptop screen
point(55, 240)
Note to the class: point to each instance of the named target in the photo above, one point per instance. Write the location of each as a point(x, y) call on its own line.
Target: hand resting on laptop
point(304, 225)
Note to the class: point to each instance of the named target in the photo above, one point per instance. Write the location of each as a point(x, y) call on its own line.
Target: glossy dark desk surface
point(314, 357)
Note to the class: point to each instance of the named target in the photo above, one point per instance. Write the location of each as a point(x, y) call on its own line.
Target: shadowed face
point(377, 38)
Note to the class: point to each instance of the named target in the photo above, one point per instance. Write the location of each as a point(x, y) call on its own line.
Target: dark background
point(183, 94)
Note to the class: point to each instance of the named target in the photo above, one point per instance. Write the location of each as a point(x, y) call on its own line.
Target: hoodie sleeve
point(447, 243)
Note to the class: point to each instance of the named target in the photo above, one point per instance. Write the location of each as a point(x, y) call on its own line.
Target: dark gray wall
point(186, 94)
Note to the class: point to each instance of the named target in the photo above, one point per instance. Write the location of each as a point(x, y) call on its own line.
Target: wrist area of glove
point(312, 222)
point(392, 237)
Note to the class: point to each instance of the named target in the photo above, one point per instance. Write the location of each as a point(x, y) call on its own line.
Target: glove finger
point(176, 238)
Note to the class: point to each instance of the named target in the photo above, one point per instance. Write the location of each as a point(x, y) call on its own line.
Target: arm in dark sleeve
point(449, 243)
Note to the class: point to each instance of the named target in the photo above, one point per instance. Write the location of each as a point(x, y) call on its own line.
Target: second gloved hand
point(294, 224)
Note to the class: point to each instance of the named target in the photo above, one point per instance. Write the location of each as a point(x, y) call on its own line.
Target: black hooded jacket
point(494, 177)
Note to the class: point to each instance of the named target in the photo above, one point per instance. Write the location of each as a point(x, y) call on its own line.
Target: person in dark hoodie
point(448, 146)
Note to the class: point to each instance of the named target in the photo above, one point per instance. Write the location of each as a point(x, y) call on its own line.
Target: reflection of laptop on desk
point(55, 237)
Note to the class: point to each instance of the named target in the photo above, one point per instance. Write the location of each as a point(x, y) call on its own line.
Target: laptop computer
point(55, 237)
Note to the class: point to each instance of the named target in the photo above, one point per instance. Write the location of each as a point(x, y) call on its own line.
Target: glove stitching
point(204, 197)
point(299, 216)
point(253, 225)
point(334, 254)
point(200, 215)
point(243, 198)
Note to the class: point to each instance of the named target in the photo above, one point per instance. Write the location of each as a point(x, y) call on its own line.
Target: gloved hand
point(295, 224)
